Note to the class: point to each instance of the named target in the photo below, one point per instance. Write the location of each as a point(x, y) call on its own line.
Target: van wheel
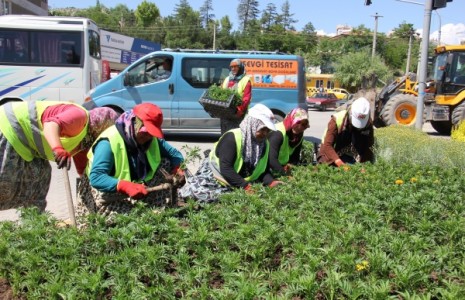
point(278, 116)
point(117, 109)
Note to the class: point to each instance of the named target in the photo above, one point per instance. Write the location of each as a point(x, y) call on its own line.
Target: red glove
point(287, 169)
point(248, 189)
point(239, 112)
point(62, 157)
point(338, 162)
point(132, 189)
point(275, 183)
point(180, 176)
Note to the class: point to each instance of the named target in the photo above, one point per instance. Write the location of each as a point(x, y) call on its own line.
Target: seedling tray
point(218, 108)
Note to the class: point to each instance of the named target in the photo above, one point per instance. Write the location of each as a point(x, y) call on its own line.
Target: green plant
point(458, 133)
point(221, 94)
point(192, 156)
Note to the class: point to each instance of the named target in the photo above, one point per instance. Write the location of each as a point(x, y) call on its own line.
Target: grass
point(392, 229)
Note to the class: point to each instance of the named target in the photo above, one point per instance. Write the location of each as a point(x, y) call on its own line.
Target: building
point(24, 7)
point(121, 50)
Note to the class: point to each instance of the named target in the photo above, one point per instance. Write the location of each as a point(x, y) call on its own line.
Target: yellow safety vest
point(120, 155)
point(20, 123)
point(240, 85)
point(285, 151)
point(339, 118)
point(260, 168)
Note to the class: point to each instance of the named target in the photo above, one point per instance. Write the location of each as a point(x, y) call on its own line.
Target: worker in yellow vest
point(34, 133)
point(125, 160)
point(286, 141)
point(238, 159)
point(241, 82)
point(349, 137)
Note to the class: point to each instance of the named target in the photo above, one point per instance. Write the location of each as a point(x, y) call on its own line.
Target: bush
point(403, 145)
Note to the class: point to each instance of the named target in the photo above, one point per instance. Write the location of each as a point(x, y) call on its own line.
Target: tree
point(269, 16)
point(403, 30)
point(224, 39)
point(351, 68)
point(205, 14)
point(286, 16)
point(146, 13)
point(183, 29)
point(247, 11)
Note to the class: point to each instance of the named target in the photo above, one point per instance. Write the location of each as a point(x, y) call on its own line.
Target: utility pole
point(423, 64)
point(409, 53)
point(214, 35)
point(376, 16)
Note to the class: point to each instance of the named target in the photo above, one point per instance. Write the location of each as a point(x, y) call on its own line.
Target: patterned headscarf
point(128, 125)
point(240, 72)
point(100, 118)
point(252, 149)
point(296, 116)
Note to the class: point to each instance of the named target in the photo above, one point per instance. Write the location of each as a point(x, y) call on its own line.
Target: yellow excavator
point(444, 102)
point(448, 74)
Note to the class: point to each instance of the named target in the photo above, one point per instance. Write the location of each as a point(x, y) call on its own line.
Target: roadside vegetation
point(393, 229)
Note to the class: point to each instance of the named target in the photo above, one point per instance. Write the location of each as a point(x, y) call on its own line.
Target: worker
point(241, 82)
point(238, 159)
point(34, 133)
point(349, 136)
point(286, 141)
point(127, 158)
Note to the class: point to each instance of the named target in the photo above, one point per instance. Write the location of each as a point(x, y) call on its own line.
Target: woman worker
point(34, 133)
point(286, 141)
point(125, 160)
point(237, 160)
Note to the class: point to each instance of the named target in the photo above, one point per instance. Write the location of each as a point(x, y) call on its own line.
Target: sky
point(326, 15)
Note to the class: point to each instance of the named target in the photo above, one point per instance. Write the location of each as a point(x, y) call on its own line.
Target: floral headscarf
point(252, 149)
point(128, 125)
point(100, 118)
point(296, 116)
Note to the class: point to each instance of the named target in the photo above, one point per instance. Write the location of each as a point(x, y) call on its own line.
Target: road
point(56, 197)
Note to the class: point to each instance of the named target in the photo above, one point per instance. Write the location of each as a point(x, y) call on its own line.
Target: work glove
point(287, 169)
point(275, 183)
point(62, 157)
point(248, 189)
point(338, 162)
point(132, 189)
point(179, 176)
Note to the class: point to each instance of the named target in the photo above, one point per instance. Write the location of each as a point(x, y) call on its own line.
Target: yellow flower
point(399, 181)
point(413, 180)
point(362, 266)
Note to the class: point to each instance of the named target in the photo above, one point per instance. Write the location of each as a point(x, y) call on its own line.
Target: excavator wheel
point(458, 114)
point(400, 109)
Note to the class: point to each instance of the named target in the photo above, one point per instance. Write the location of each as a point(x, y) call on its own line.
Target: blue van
point(278, 81)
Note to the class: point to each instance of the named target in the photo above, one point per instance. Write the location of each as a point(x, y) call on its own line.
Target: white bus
point(48, 58)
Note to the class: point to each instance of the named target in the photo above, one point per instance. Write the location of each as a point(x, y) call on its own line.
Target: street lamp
point(439, 16)
point(409, 53)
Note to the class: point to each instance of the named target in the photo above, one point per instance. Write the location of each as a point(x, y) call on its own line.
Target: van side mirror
point(127, 80)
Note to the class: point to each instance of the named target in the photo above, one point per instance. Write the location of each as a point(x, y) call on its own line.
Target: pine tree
point(247, 11)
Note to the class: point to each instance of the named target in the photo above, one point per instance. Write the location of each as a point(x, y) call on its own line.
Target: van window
point(138, 74)
point(202, 73)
